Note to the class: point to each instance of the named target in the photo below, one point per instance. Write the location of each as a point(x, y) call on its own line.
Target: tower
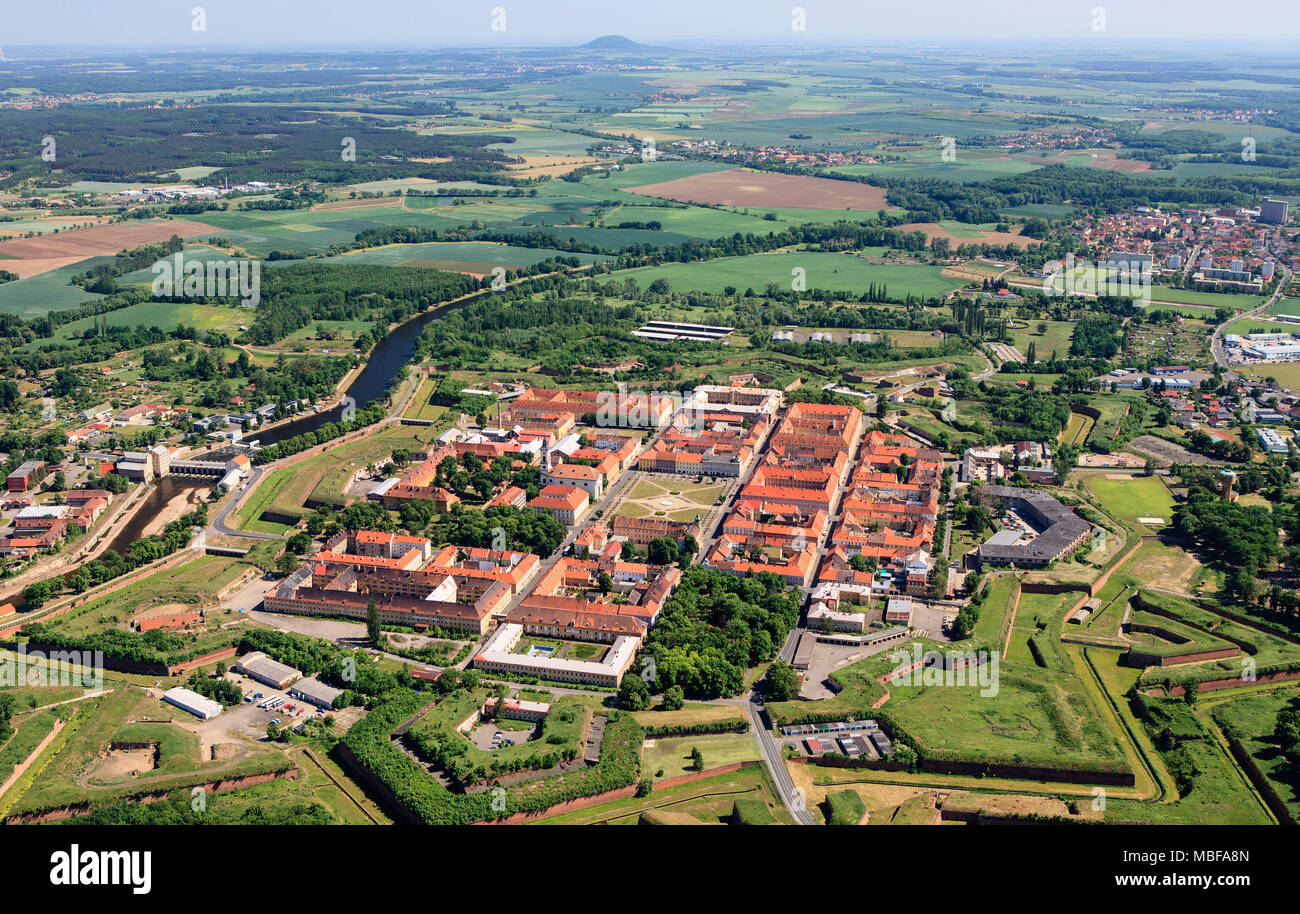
point(1226, 480)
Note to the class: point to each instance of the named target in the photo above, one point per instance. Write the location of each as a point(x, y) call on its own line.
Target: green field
point(75, 775)
point(1056, 339)
point(1212, 299)
point(673, 756)
point(1252, 719)
point(1131, 498)
point(835, 272)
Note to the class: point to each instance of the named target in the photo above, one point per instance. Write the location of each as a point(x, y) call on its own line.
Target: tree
point(674, 698)
point(697, 759)
point(782, 681)
point(979, 519)
point(604, 583)
point(373, 632)
point(662, 551)
point(633, 694)
point(287, 563)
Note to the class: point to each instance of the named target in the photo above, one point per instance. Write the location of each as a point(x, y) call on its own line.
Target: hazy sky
point(444, 23)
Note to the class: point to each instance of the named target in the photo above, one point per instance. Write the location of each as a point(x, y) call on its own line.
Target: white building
point(192, 702)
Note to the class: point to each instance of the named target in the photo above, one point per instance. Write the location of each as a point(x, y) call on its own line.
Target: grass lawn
point(1252, 720)
point(996, 606)
point(1055, 339)
point(710, 800)
point(689, 715)
point(1131, 497)
point(194, 583)
point(73, 776)
point(324, 476)
point(673, 756)
point(1037, 714)
point(650, 497)
point(836, 272)
point(1212, 299)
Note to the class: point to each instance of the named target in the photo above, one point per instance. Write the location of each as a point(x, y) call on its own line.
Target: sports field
point(1131, 497)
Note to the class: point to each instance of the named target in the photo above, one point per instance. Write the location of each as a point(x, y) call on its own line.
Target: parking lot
point(930, 620)
point(486, 735)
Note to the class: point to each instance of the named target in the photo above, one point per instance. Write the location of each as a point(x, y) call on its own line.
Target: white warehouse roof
point(192, 702)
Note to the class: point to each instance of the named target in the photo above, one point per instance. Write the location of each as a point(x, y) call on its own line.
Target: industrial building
point(257, 665)
point(313, 691)
point(192, 702)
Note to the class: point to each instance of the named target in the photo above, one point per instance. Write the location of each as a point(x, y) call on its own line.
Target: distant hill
point(623, 43)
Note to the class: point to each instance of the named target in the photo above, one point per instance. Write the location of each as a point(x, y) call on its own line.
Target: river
point(387, 358)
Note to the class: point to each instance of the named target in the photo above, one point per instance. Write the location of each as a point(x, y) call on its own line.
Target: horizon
point(398, 24)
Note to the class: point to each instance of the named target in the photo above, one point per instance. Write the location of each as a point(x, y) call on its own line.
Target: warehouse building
point(193, 702)
point(313, 691)
point(257, 665)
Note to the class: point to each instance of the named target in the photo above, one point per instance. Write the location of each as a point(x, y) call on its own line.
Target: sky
point(537, 23)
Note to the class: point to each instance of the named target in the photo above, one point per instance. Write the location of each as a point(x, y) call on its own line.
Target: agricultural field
point(740, 187)
point(33, 256)
point(847, 273)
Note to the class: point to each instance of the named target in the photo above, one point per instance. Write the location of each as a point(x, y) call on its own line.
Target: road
point(791, 796)
point(1216, 344)
point(218, 522)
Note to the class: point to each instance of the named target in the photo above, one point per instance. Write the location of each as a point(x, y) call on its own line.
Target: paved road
point(218, 522)
point(1216, 344)
point(793, 798)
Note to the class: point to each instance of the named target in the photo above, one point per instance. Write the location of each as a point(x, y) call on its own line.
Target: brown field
point(33, 256)
point(738, 187)
point(933, 230)
point(1170, 567)
point(550, 166)
point(1107, 159)
point(19, 228)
